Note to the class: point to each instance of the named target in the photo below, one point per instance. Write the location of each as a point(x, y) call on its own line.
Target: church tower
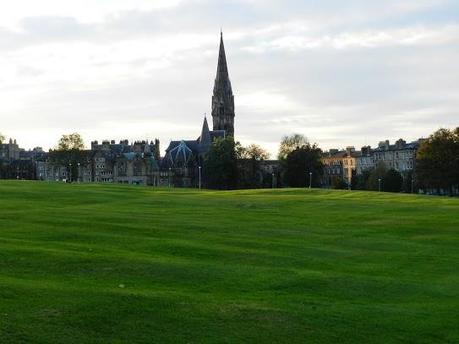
point(223, 99)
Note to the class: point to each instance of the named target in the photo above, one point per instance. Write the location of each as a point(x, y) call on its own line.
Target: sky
point(342, 73)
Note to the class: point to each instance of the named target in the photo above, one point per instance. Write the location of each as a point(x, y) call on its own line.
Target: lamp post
point(70, 172)
point(272, 180)
point(78, 180)
point(200, 168)
point(379, 184)
point(310, 179)
point(170, 169)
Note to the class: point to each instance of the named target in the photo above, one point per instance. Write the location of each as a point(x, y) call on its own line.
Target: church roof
point(205, 138)
point(181, 153)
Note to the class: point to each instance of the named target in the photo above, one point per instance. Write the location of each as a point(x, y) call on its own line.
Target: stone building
point(339, 165)
point(400, 156)
point(18, 163)
point(344, 164)
point(9, 151)
point(107, 162)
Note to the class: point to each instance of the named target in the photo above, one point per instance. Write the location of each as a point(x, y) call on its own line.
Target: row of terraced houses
point(345, 164)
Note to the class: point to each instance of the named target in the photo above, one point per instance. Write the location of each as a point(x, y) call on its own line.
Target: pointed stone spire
point(223, 99)
point(222, 81)
point(205, 138)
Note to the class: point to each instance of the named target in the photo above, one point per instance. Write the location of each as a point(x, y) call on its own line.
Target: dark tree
point(220, 165)
point(69, 153)
point(17, 169)
point(409, 183)
point(360, 181)
point(377, 177)
point(300, 163)
point(437, 161)
point(393, 181)
point(250, 174)
point(338, 183)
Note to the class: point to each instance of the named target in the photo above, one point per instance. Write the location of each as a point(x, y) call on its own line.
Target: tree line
point(229, 165)
point(436, 167)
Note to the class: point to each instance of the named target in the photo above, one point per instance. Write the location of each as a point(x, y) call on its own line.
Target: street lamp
point(200, 168)
point(78, 180)
point(379, 184)
point(170, 169)
point(310, 179)
point(272, 180)
point(70, 172)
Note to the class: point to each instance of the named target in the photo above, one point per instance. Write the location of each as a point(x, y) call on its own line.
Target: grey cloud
point(55, 28)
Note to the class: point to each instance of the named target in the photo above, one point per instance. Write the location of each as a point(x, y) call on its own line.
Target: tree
point(300, 163)
point(291, 143)
point(338, 183)
point(360, 181)
point(409, 185)
point(2, 138)
point(250, 174)
point(69, 153)
point(253, 151)
point(70, 142)
point(393, 181)
point(220, 164)
point(437, 160)
point(376, 178)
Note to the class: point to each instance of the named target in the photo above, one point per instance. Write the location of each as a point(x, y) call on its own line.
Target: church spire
point(223, 99)
point(205, 138)
point(222, 78)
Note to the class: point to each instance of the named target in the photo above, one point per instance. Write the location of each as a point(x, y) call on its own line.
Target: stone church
point(183, 158)
point(140, 162)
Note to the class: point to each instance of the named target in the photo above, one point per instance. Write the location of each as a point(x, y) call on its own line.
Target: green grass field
point(120, 264)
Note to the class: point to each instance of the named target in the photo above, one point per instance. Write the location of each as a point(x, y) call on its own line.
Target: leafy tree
point(338, 183)
point(253, 151)
point(437, 160)
point(220, 164)
point(409, 184)
point(393, 181)
point(378, 173)
point(291, 143)
point(2, 138)
point(70, 142)
point(69, 153)
point(360, 181)
point(300, 163)
point(249, 166)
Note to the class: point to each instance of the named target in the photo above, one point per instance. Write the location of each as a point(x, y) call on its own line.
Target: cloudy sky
point(340, 72)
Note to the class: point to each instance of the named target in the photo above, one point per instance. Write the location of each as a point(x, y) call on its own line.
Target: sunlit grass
point(119, 264)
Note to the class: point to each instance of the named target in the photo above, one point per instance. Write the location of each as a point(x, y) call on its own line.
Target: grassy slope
point(100, 264)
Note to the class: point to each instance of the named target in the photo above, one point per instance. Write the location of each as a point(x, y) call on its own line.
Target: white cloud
point(87, 11)
point(408, 36)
